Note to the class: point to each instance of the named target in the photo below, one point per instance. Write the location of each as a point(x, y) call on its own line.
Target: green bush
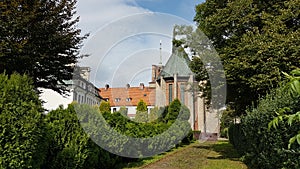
point(22, 138)
point(263, 148)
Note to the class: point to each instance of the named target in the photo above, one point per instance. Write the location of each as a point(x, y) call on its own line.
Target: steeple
point(160, 55)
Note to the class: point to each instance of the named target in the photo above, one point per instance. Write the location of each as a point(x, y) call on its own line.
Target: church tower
point(176, 80)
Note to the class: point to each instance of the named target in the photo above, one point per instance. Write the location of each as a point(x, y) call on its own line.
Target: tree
point(40, 38)
point(256, 40)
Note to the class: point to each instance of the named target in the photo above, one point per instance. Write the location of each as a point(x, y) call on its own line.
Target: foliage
point(294, 82)
point(104, 107)
point(40, 38)
point(22, 137)
point(261, 147)
point(293, 87)
point(256, 40)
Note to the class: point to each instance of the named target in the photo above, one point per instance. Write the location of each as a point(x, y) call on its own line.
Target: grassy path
point(207, 155)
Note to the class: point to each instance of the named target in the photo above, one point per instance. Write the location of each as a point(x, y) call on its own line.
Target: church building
point(170, 81)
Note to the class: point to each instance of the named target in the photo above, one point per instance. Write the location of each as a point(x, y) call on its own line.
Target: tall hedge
point(70, 147)
point(22, 140)
point(264, 148)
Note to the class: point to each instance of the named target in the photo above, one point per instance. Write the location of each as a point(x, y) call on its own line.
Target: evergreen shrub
point(22, 128)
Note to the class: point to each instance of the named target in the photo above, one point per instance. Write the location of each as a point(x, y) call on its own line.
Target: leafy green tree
point(104, 107)
point(40, 38)
point(256, 40)
point(22, 129)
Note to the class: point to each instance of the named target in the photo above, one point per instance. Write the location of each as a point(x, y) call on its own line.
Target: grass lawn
point(207, 155)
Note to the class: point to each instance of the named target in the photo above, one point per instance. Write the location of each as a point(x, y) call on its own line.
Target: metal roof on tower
point(178, 63)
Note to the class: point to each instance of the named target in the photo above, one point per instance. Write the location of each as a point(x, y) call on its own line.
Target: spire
point(160, 61)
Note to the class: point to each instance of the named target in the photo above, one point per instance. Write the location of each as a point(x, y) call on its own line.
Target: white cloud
point(96, 13)
point(124, 40)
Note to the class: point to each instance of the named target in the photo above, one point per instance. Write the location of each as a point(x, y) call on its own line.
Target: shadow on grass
point(224, 149)
point(136, 163)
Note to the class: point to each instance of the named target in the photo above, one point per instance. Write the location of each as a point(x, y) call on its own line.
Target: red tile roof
point(128, 96)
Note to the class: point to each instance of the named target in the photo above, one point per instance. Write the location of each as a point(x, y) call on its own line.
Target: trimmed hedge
point(69, 145)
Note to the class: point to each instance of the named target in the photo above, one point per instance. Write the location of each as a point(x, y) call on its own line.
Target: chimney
point(106, 86)
point(142, 86)
point(154, 74)
point(85, 72)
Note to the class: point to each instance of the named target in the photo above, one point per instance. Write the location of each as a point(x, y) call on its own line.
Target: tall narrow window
point(75, 96)
point(170, 93)
point(182, 93)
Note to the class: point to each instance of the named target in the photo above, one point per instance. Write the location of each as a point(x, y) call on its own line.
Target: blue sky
point(125, 35)
point(182, 8)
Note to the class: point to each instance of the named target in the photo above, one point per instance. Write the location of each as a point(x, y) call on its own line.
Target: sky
point(125, 37)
